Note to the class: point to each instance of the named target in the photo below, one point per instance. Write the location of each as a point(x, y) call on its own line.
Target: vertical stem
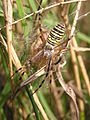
point(29, 92)
point(8, 17)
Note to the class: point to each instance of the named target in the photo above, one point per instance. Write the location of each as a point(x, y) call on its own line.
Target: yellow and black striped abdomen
point(56, 35)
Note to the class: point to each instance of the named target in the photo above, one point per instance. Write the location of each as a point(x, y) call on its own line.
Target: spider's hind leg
point(47, 72)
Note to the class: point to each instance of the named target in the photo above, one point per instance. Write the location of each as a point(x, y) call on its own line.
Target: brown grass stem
point(8, 18)
point(83, 69)
point(76, 73)
point(81, 49)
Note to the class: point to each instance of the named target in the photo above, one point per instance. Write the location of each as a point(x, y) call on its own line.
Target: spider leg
point(23, 69)
point(15, 92)
point(61, 60)
point(31, 78)
point(47, 72)
point(41, 32)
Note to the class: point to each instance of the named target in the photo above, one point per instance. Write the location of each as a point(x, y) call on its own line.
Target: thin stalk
point(29, 92)
point(8, 18)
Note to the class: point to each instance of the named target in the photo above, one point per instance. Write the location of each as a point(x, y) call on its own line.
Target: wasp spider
point(55, 38)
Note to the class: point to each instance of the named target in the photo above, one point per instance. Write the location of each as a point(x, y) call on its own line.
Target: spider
point(53, 50)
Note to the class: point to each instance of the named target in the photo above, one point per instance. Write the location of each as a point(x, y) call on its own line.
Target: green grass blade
point(20, 8)
point(5, 92)
point(29, 92)
point(46, 106)
point(83, 37)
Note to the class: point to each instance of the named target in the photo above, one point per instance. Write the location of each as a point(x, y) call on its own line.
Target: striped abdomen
point(56, 35)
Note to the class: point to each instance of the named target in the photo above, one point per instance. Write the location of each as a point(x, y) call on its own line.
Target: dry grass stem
point(73, 116)
point(68, 90)
point(8, 17)
point(83, 69)
point(75, 19)
point(77, 91)
point(84, 15)
point(81, 49)
point(77, 78)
